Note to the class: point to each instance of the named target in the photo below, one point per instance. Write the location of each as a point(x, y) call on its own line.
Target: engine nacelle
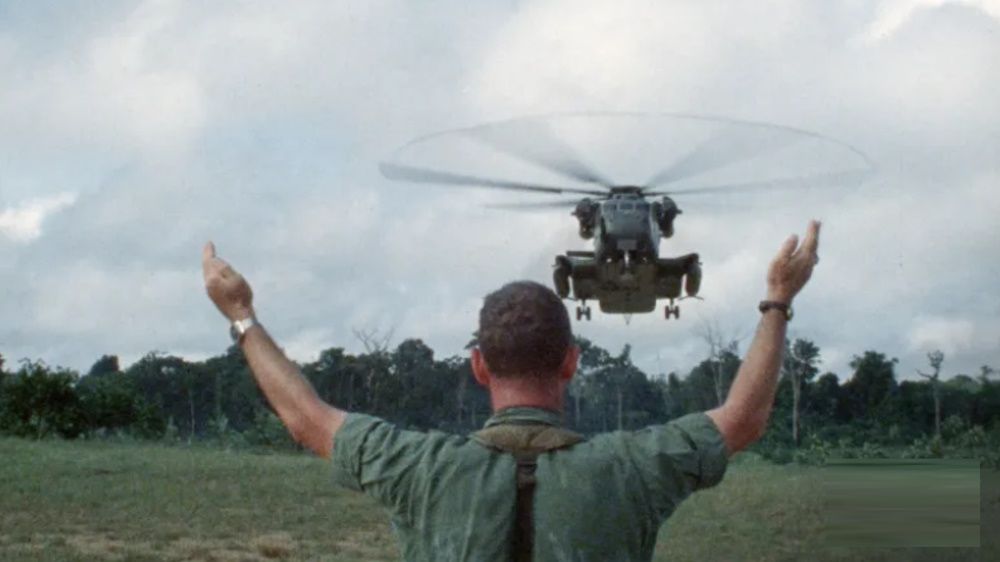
point(665, 212)
point(586, 213)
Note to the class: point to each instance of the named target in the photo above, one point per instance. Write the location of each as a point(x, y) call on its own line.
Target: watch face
point(238, 328)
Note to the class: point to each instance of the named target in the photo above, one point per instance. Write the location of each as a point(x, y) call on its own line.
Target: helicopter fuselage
point(626, 225)
point(625, 230)
point(624, 273)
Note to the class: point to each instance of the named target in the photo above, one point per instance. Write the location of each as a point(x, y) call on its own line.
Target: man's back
point(451, 498)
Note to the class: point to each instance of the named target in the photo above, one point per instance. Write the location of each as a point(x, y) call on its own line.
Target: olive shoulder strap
point(525, 443)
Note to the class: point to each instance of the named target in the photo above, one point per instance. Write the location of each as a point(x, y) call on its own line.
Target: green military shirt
point(451, 498)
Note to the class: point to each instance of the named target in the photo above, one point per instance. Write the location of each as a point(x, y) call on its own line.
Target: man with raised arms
point(523, 488)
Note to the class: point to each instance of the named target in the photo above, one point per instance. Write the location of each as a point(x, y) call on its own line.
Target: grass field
point(111, 501)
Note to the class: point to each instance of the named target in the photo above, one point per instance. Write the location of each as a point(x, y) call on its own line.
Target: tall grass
point(94, 500)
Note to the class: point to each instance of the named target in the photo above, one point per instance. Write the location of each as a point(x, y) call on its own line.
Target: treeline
point(815, 415)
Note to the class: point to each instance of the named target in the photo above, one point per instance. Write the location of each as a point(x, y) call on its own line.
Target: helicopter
point(624, 272)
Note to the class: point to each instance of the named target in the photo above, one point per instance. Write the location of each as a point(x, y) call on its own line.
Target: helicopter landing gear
point(627, 268)
point(583, 312)
point(672, 309)
point(560, 276)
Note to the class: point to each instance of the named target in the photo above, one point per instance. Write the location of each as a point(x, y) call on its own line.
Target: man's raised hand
point(792, 267)
point(226, 287)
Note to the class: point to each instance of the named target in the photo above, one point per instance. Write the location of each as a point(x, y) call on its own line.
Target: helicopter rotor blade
point(535, 205)
point(727, 145)
point(427, 175)
point(546, 149)
point(828, 180)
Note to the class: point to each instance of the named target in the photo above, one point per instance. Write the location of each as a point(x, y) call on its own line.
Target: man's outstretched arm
point(743, 417)
point(312, 422)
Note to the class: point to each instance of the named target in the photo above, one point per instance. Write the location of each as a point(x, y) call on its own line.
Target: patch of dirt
point(274, 545)
point(97, 546)
point(207, 549)
point(103, 546)
point(365, 544)
point(264, 548)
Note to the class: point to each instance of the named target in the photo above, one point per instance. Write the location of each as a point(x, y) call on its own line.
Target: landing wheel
point(672, 309)
point(582, 312)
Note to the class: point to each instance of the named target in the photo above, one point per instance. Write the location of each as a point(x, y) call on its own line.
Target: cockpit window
point(609, 206)
point(626, 206)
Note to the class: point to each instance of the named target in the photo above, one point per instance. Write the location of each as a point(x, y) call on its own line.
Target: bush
point(268, 431)
point(220, 433)
point(936, 447)
point(747, 458)
point(149, 423)
point(171, 434)
point(952, 427)
point(991, 458)
point(872, 451)
point(973, 438)
point(817, 452)
point(38, 402)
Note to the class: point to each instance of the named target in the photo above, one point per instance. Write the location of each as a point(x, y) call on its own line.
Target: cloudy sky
point(131, 132)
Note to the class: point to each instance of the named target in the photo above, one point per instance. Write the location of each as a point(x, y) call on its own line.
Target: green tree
point(38, 401)
point(106, 364)
point(673, 396)
point(235, 396)
point(591, 388)
point(799, 366)
point(914, 405)
point(699, 387)
point(722, 351)
point(871, 385)
point(423, 383)
point(109, 401)
point(935, 358)
point(3, 376)
point(824, 396)
point(471, 400)
point(183, 392)
point(988, 398)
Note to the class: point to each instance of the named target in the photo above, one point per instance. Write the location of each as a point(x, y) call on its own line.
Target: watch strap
point(784, 307)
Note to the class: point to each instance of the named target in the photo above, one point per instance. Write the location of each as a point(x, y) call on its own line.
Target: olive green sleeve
point(385, 462)
point(347, 449)
point(677, 458)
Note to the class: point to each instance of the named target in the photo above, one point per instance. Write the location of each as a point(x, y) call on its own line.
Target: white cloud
point(891, 15)
point(949, 335)
point(23, 223)
point(79, 298)
point(961, 339)
point(111, 90)
point(260, 127)
point(581, 55)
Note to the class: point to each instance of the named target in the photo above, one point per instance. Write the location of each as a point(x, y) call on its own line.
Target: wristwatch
point(239, 328)
point(784, 307)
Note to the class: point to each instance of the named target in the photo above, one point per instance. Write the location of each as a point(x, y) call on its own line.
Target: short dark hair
point(524, 330)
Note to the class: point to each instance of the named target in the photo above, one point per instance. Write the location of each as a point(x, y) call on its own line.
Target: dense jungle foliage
point(816, 416)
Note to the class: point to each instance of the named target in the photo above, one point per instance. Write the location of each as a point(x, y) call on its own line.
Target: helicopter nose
point(629, 227)
point(627, 244)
